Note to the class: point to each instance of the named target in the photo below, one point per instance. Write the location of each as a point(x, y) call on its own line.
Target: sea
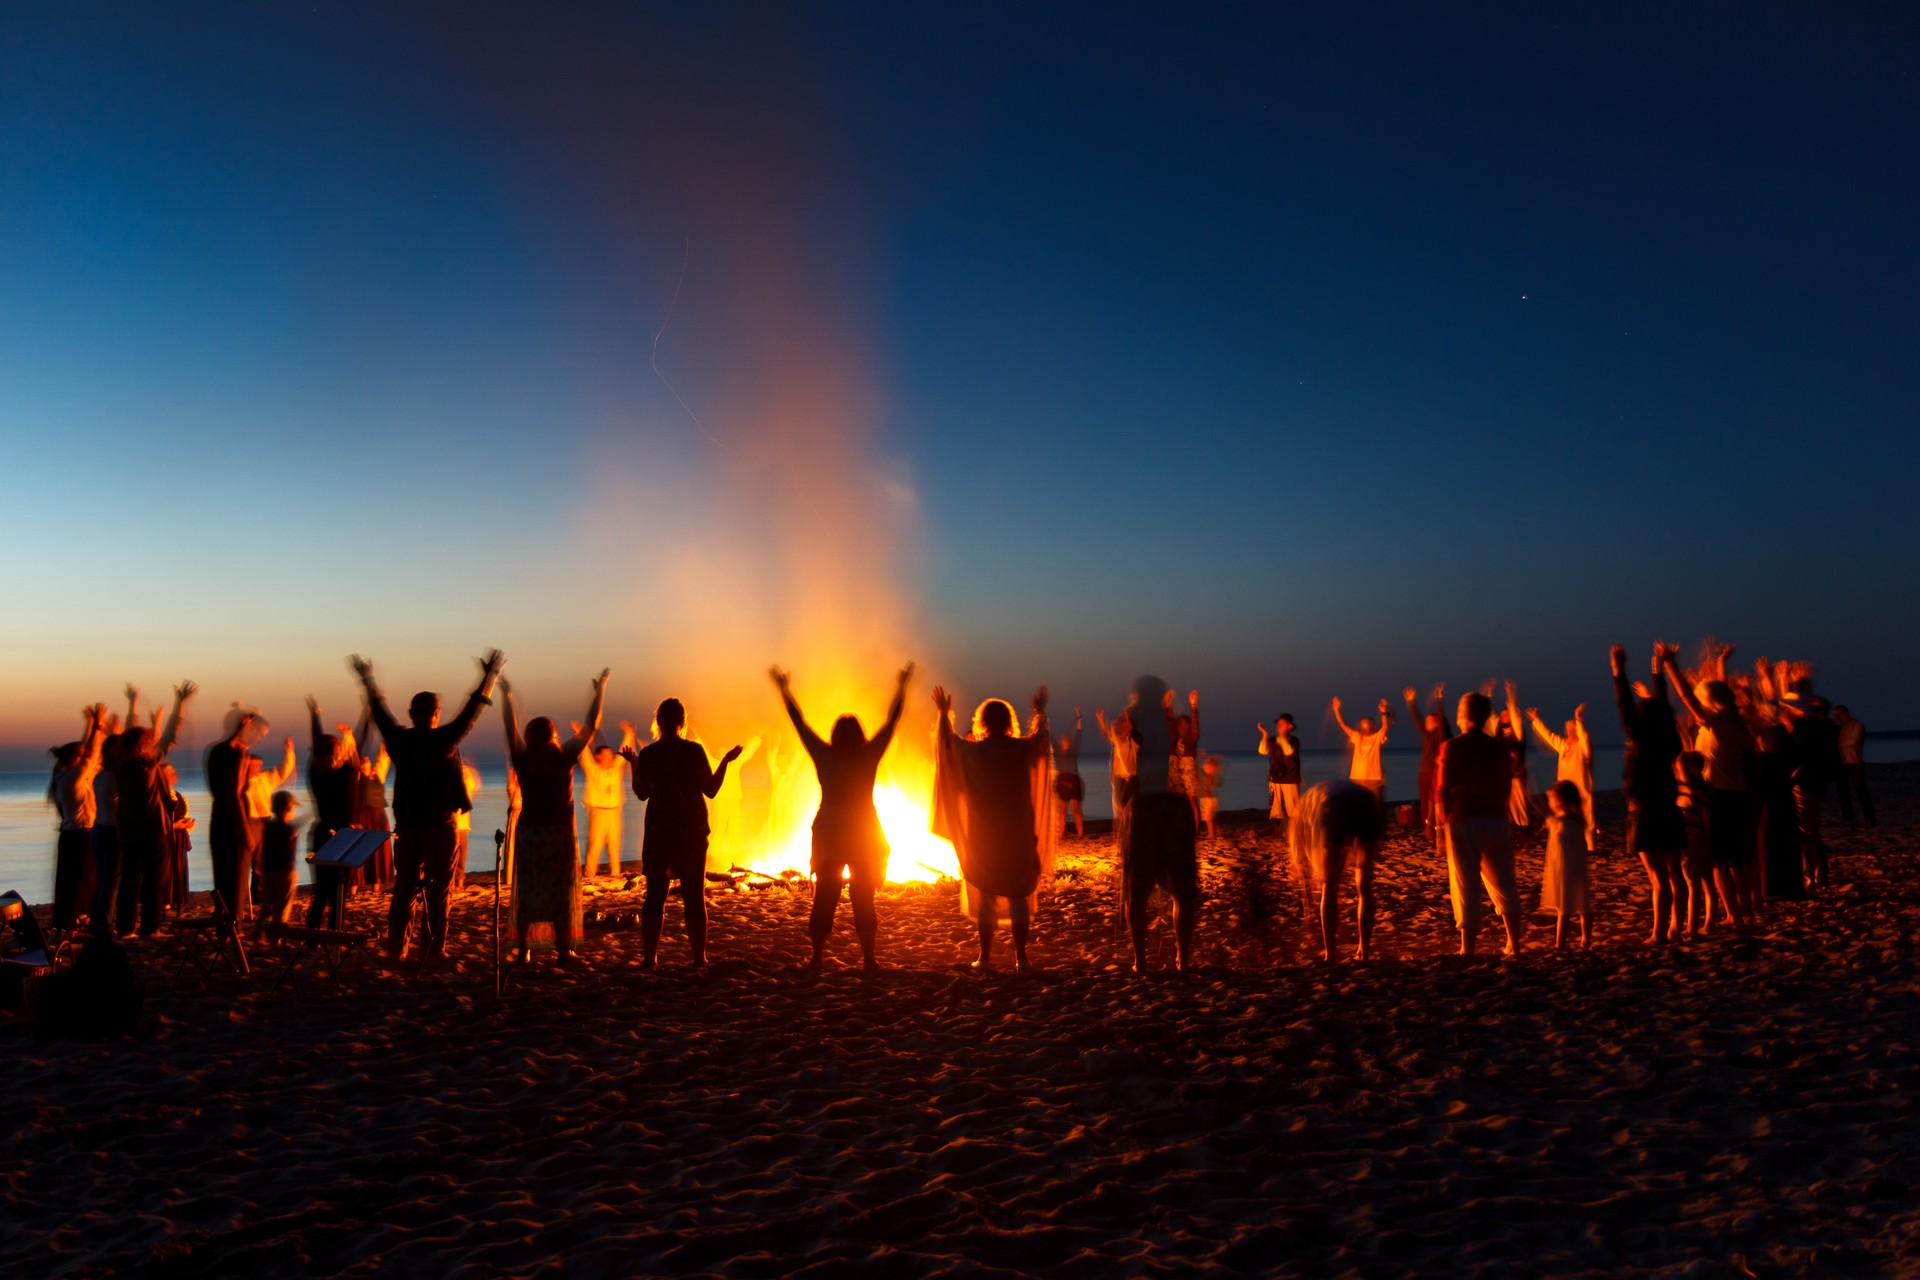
point(28, 825)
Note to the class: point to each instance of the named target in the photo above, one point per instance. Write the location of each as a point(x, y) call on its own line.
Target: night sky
point(1283, 352)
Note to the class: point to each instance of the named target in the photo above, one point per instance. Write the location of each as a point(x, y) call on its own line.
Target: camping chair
point(211, 933)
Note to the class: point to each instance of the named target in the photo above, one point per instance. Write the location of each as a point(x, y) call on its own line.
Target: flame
point(776, 836)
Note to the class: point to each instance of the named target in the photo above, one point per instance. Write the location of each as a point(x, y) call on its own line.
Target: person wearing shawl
point(1159, 850)
point(992, 799)
point(847, 836)
point(547, 888)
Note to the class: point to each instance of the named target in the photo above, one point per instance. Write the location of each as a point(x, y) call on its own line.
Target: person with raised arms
point(672, 774)
point(546, 886)
point(428, 791)
point(846, 829)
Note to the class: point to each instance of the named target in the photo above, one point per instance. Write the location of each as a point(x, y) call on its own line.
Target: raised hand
point(1580, 712)
point(600, 685)
point(1336, 703)
point(1040, 698)
point(906, 674)
point(185, 690)
point(491, 664)
point(942, 700)
point(362, 667)
point(782, 678)
point(506, 689)
point(1618, 657)
point(1383, 706)
point(1440, 692)
point(731, 756)
point(1193, 700)
point(132, 692)
point(1409, 694)
point(313, 705)
point(1533, 713)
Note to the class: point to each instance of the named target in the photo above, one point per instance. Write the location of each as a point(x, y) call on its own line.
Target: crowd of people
point(1725, 797)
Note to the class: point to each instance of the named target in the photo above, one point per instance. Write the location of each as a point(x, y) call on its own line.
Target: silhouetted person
point(1563, 884)
point(676, 780)
point(180, 819)
point(1366, 742)
point(1329, 819)
point(233, 836)
point(1776, 761)
point(1726, 744)
point(1476, 783)
point(279, 863)
point(1853, 766)
point(991, 799)
point(1819, 742)
point(428, 791)
point(1068, 788)
point(546, 883)
point(1183, 758)
point(846, 831)
point(1282, 750)
point(71, 790)
point(1573, 759)
point(1160, 850)
point(1656, 829)
point(145, 818)
point(1123, 768)
point(333, 783)
point(1434, 732)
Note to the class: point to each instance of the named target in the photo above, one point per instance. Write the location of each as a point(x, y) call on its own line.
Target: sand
point(1733, 1107)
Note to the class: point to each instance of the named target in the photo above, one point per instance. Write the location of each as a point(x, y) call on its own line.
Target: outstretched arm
point(512, 724)
point(1342, 720)
point(583, 735)
point(133, 708)
point(182, 694)
point(376, 701)
point(718, 776)
point(1386, 718)
point(1680, 685)
point(314, 730)
point(1413, 706)
point(482, 695)
point(1265, 741)
point(783, 681)
point(899, 704)
point(1555, 743)
point(274, 779)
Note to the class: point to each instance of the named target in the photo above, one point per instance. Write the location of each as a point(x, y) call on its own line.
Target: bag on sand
point(97, 998)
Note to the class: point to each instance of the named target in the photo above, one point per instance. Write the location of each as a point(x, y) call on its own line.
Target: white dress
point(1563, 886)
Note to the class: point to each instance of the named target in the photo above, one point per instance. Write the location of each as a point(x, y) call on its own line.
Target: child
point(1563, 888)
point(1209, 792)
point(279, 858)
point(1697, 863)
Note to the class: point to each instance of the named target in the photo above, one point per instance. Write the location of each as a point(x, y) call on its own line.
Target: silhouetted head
point(1718, 694)
point(1692, 767)
point(424, 710)
point(541, 733)
point(603, 754)
point(1473, 711)
point(1564, 798)
point(1366, 724)
point(847, 732)
point(1841, 713)
point(1284, 722)
point(993, 718)
point(65, 756)
point(669, 719)
point(170, 776)
point(284, 804)
point(1149, 692)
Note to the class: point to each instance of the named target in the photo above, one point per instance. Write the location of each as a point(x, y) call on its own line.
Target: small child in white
point(1209, 792)
point(1563, 888)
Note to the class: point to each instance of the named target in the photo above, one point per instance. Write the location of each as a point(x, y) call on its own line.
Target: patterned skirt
point(546, 878)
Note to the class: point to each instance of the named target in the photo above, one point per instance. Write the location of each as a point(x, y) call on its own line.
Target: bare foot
point(981, 966)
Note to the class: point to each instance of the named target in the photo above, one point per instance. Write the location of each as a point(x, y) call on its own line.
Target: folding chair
point(212, 933)
point(334, 946)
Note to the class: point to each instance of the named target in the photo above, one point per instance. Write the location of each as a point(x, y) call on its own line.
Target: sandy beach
point(1739, 1106)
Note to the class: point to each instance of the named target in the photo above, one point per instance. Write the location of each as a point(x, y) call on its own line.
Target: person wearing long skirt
point(546, 887)
point(1656, 830)
point(1563, 886)
point(846, 831)
point(75, 765)
point(993, 800)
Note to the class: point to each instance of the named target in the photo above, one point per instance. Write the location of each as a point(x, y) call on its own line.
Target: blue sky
point(1284, 352)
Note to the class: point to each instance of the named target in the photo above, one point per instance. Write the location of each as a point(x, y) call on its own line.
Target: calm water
point(28, 825)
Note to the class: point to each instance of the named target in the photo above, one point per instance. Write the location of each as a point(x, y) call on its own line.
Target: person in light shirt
point(1367, 741)
point(1853, 766)
point(605, 771)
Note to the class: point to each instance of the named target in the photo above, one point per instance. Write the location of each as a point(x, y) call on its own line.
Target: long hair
point(995, 715)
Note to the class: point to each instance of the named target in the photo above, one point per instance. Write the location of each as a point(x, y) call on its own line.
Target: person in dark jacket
point(1655, 829)
point(428, 791)
point(673, 776)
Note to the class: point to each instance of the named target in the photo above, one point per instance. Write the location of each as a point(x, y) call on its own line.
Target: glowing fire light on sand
point(902, 797)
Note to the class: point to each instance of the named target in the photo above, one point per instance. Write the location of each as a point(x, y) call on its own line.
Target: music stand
point(350, 849)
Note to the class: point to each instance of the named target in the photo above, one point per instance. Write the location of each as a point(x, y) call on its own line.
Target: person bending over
point(428, 791)
point(1330, 818)
point(846, 829)
point(676, 780)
